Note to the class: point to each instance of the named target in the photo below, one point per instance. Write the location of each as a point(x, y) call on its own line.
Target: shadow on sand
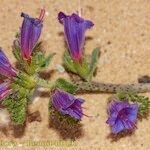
point(65, 130)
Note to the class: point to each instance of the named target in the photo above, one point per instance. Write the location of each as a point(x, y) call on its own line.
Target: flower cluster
point(17, 86)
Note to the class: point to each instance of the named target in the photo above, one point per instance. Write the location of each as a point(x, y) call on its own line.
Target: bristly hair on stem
point(92, 86)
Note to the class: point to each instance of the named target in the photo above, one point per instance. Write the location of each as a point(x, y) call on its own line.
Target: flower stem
point(111, 88)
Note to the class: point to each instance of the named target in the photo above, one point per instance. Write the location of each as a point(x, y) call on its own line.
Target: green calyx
point(84, 69)
point(38, 61)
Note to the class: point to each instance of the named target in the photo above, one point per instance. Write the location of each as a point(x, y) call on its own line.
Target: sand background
point(122, 30)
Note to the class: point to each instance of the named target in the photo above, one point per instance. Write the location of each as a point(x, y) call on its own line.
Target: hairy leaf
point(66, 86)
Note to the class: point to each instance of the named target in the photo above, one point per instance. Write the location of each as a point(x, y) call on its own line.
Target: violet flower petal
point(62, 99)
point(117, 127)
point(67, 104)
point(132, 112)
point(30, 33)
point(74, 28)
point(6, 68)
point(75, 110)
point(122, 116)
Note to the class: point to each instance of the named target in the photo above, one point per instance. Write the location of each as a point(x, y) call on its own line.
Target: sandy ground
point(122, 30)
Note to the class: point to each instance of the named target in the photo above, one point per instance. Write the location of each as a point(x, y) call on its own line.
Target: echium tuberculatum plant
point(18, 85)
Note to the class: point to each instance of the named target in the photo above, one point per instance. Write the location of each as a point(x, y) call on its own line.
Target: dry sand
point(122, 30)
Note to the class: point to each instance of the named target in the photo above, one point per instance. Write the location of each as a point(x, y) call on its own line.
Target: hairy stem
point(45, 83)
point(111, 88)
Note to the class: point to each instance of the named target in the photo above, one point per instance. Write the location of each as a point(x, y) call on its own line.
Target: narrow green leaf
point(17, 52)
point(48, 60)
point(94, 59)
point(65, 85)
point(37, 48)
point(40, 62)
point(82, 69)
point(68, 62)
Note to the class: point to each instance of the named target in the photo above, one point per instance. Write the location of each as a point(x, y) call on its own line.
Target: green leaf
point(16, 104)
point(65, 85)
point(17, 51)
point(17, 109)
point(38, 59)
point(68, 62)
point(40, 62)
point(47, 60)
point(37, 48)
point(94, 59)
point(144, 105)
point(82, 69)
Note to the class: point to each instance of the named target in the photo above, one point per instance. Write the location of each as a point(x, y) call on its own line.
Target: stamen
point(42, 14)
point(79, 8)
point(82, 113)
point(86, 115)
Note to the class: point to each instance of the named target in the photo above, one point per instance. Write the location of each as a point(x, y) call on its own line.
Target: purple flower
point(6, 68)
point(122, 116)
point(30, 33)
point(67, 104)
point(74, 28)
point(4, 90)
